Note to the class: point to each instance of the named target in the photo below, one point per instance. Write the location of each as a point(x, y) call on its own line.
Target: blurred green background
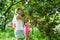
point(44, 18)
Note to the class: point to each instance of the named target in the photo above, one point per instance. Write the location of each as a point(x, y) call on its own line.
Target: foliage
point(42, 13)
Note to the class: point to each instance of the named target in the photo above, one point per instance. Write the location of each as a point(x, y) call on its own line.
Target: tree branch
point(8, 9)
point(16, 3)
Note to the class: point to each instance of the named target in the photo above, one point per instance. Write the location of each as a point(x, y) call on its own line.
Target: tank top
point(19, 23)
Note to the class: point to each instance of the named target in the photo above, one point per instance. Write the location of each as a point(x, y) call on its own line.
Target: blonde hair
point(15, 10)
point(18, 9)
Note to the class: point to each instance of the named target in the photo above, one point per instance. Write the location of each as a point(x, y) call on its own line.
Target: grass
point(9, 34)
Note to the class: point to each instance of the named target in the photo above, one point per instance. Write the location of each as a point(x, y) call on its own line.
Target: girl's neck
point(18, 14)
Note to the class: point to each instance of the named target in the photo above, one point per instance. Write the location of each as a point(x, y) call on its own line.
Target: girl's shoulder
point(15, 14)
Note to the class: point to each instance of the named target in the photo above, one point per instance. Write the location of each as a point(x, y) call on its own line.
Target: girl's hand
point(28, 13)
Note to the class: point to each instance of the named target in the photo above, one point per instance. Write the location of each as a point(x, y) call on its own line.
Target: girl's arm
point(26, 19)
point(19, 17)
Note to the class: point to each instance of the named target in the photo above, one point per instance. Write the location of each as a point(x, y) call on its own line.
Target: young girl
point(26, 28)
point(18, 23)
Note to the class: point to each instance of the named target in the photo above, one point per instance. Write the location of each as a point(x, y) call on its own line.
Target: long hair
point(18, 9)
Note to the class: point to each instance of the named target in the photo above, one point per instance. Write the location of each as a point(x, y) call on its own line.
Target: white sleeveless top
point(19, 23)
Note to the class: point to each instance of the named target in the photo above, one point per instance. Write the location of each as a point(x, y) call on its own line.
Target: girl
point(18, 23)
point(26, 28)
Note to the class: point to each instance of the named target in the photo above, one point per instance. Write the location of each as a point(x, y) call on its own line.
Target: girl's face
point(20, 11)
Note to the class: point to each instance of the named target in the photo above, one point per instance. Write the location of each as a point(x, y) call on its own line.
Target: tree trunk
point(4, 25)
